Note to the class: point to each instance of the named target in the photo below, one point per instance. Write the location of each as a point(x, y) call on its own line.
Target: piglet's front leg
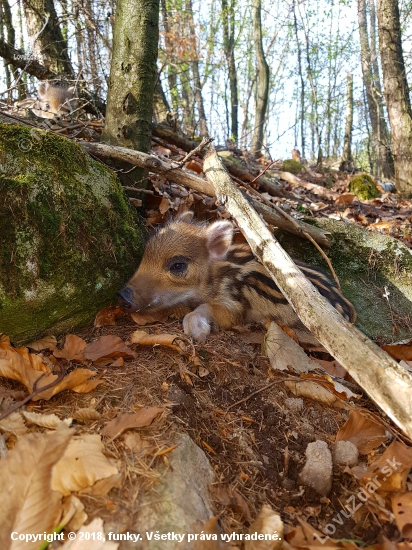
point(198, 324)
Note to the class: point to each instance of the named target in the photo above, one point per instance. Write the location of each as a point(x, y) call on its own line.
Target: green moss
point(363, 187)
point(69, 237)
point(292, 166)
point(368, 264)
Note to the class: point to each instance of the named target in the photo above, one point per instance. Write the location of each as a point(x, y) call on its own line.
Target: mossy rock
point(363, 187)
point(69, 237)
point(292, 166)
point(369, 265)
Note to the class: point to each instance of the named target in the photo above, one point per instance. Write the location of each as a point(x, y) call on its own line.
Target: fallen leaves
point(366, 433)
point(107, 347)
point(172, 341)
point(123, 422)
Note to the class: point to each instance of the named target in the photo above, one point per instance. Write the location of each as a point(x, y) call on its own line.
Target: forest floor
point(252, 421)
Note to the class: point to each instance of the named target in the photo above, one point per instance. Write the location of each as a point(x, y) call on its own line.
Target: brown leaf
point(86, 415)
point(332, 367)
point(345, 198)
point(194, 166)
point(18, 395)
point(363, 432)
point(402, 509)
point(25, 477)
point(48, 342)
point(82, 464)
point(285, 353)
point(399, 351)
point(50, 421)
point(164, 206)
point(73, 349)
point(172, 341)
point(77, 381)
point(118, 363)
point(267, 522)
point(124, 422)
point(13, 423)
point(108, 315)
point(107, 347)
point(140, 319)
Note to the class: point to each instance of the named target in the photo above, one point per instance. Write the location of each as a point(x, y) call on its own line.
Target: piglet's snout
point(126, 300)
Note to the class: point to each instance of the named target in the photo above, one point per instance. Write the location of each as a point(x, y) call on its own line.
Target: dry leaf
point(361, 430)
point(345, 198)
point(402, 509)
point(164, 206)
point(172, 341)
point(124, 422)
point(108, 315)
point(86, 538)
point(73, 349)
point(74, 515)
point(399, 351)
point(118, 363)
point(267, 522)
point(86, 415)
point(50, 421)
point(212, 527)
point(332, 367)
point(48, 342)
point(18, 395)
point(228, 496)
point(82, 465)
point(145, 319)
point(194, 166)
point(104, 486)
point(77, 381)
point(31, 505)
point(13, 424)
point(107, 347)
point(283, 352)
point(315, 391)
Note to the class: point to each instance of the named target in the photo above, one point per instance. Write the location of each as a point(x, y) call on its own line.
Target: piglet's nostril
point(125, 297)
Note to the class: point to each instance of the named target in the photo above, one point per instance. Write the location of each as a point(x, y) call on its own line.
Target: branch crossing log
point(387, 383)
point(184, 177)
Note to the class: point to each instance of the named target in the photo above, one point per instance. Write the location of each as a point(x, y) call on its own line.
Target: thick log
point(387, 383)
point(184, 177)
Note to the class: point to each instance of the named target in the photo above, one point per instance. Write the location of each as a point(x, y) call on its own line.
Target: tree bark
point(262, 88)
point(386, 382)
point(396, 92)
point(228, 21)
point(347, 162)
point(48, 44)
point(133, 76)
point(302, 84)
point(371, 81)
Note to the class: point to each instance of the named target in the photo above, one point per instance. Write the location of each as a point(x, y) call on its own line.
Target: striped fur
point(196, 266)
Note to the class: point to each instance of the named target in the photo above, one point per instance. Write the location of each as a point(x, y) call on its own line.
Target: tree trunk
point(347, 162)
point(133, 76)
point(396, 92)
point(47, 42)
point(228, 20)
point(302, 84)
point(262, 89)
point(371, 81)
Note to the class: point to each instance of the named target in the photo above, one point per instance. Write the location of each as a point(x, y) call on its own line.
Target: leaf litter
point(146, 385)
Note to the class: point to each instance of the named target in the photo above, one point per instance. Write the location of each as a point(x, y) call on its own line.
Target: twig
point(261, 174)
point(253, 393)
point(35, 391)
point(205, 141)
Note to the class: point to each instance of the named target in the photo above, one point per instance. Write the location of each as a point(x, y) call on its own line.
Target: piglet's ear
point(185, 217)
point(219, 238)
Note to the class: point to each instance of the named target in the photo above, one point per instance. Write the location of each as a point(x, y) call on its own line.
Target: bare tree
point(262, 88)
point(396, 92)
point(228, 20)
point(347, 162)
point(374, 98)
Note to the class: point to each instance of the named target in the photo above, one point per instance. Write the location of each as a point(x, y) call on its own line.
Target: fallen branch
point(387, 383)
point(184, 177)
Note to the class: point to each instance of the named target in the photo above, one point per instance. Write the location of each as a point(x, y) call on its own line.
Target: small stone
point(346, 454)
point(317, 472)
point(294, 404)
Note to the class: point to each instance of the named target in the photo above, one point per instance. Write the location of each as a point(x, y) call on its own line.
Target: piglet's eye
point(178, 265)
